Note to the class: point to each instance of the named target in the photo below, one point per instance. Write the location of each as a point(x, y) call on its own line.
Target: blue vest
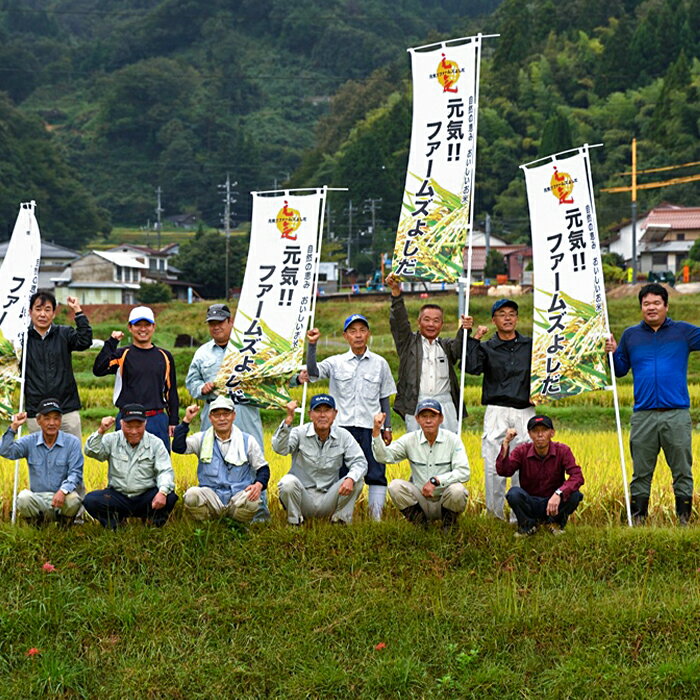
point(224, 478)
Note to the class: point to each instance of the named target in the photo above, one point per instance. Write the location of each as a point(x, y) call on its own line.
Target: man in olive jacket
point(426, 361)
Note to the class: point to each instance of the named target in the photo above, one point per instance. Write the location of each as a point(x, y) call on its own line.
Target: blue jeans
point(110, 507)
point(376, 472)
point(531, 510)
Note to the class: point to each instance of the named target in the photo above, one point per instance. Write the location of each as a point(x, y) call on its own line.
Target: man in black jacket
point(49, 369)
point(426, 361)
point(504, 360)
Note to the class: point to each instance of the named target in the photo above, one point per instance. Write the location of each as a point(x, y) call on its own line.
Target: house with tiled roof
point(665, 234)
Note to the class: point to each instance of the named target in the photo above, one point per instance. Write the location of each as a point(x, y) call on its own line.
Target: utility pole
point(487, 235)
point(347, 261)
point(227, 224)
point(159, 211)
point(634, 211)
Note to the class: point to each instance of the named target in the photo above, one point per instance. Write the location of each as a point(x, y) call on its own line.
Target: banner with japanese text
point(436, 209)
point(278, 287)
point(19, 279)
point(569, 314)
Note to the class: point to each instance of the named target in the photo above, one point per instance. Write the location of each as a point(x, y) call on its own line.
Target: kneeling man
point(140, 476)
point(313, 488)
point(544, 495)
point(55, 465)
point(438, 462)
point(232, 471)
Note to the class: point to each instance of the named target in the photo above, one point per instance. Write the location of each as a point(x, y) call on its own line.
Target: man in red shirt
point(545, 495)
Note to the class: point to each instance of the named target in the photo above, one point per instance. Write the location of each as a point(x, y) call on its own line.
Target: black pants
point(530, 510)
point(110, 507)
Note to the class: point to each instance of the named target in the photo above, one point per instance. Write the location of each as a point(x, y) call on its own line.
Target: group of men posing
point(348, 440)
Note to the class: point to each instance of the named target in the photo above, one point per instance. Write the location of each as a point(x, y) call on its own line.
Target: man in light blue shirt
point(313, 487)
point(55, 465)
point(360, 381)
point(140, 476)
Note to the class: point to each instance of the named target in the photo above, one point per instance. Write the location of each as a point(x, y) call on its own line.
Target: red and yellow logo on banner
point(448, 74)
point(288, 221)
point(562, 186)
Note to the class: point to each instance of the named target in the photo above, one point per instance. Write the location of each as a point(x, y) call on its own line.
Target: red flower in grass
point(380, 646)
point(33, 652)
point(48, 567)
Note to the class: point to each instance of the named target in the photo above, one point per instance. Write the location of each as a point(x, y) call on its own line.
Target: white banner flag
point(569, 317)
point(436, 210)
point(270, 323)
point(19, 278)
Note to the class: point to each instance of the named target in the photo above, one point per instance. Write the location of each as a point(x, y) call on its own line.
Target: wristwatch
point(559, 493)
point(434, 481)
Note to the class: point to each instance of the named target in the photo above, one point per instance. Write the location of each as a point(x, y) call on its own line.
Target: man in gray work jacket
point(319, 449)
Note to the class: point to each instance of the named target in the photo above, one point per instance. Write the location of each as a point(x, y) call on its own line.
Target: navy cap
point(322, 399)
point(47, 406)
point(429, 405)
point(501, 303)
point(133, 411)
point(546, 421)
point(352, 319)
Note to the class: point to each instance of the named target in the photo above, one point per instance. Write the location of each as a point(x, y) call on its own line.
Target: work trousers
point(531, 510)
point(405, 494)
point(203, 503)
point(32, 504)
point(111, 507)
point(301, 502)
point(497, 419)
point(669, 431)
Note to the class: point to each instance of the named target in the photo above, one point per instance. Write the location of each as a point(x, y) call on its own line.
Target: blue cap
point(352, 319)
point(428, 405)
point(322, 399)
point(501, 303)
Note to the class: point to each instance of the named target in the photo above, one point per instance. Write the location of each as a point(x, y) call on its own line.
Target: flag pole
point(19, 432)
point(467, 285)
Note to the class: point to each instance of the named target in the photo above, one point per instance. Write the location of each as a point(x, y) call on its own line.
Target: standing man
point(544, 495)
point(232, 471)
point(504, 360)
point(426, 361)
point(205, 366)
point(657, 350)
point(49, 369)
point(361, 383)
point(319, 449)
point(140, 476)
point(55, 463)
point(439, 465)
point(145, 374)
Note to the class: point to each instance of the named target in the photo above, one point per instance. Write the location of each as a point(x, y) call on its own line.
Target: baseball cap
point(429, 405)
point(322, 399)
point(141, 313)
point(133, 411)
point(352, 319)
point(47, 406)
point(222, 402)
point(501, 303)
point(546, 421)
point(218, 312)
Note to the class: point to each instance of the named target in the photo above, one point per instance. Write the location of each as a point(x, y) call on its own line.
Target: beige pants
point(202, 503)
point(497, 419)
point(303, 503)
point(405, 494)
point(31, 504)
point(70, 423)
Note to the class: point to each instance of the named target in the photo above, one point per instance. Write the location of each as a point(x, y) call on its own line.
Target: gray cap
point(218, 312)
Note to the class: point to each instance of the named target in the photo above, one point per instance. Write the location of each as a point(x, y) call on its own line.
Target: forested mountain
point(136, 94)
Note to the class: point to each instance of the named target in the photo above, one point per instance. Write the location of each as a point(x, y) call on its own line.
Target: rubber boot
point(449, 519)
point(414, 514)
point(684, 508)
point(640, 508)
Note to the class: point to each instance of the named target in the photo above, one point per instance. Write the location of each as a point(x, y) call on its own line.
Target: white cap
point(141, 313)
point(222, 402)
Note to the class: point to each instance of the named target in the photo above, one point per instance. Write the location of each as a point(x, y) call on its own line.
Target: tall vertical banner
point(436, 210)
point(19, 278)
point(569, 317)
point(267, 340)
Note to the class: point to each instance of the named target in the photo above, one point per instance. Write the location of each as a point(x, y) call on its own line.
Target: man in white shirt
point(439, 465)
